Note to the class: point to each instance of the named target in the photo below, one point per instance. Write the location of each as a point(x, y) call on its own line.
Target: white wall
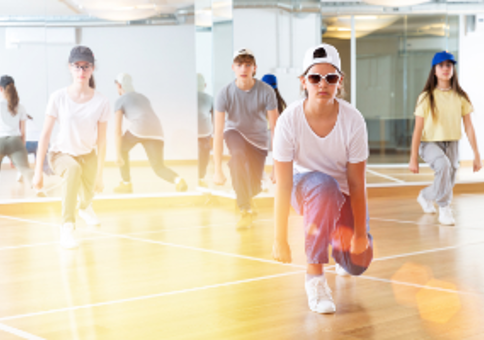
point(161, 60)
point(278, 44)
point(471, 74)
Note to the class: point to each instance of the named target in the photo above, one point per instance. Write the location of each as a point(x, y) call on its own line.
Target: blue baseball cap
point(271, 80)
point(443, 56)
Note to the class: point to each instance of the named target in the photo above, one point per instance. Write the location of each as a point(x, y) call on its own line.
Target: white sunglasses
point(316, 78)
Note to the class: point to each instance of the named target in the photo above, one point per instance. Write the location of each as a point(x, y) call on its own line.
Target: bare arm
point(356, 175)
point(471, 135)
point(282, 204)
point(417, 135)
point(218, 146)
point(118, 133)
point(42, 150)
point(22, 131)
point(101, 154)
point(273, 115)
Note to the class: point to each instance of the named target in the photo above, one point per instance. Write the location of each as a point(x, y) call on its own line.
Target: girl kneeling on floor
point(320, 153)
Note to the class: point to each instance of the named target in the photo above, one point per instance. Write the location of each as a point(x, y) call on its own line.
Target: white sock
point(311, 276)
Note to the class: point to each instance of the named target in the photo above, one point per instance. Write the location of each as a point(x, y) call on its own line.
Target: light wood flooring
point(187, 273)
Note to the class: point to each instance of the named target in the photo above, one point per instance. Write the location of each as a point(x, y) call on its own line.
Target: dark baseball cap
point(6, 80)
point(443, 56)
point(81, 53)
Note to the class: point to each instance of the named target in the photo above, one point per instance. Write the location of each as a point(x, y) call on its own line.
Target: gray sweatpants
point(14, 148)
point(443, 158)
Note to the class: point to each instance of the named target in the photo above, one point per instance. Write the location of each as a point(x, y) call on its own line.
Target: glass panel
point(155, 46)
point(393, 61)
point(204, 55)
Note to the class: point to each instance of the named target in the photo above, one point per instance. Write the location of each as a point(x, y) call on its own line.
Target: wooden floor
point(187, 273)
point(145, 181)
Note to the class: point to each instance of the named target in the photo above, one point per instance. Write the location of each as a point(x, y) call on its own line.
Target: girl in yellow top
point(437, 132)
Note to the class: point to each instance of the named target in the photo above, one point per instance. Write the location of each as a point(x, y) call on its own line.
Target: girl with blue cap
point(271, 80)
point(440, 108)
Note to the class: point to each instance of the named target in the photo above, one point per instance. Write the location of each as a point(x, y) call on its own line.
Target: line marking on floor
point(384, 176)
point(146, 297)
point(210, 251)
point(19, 333)
point(327, 268)
point(425, 224)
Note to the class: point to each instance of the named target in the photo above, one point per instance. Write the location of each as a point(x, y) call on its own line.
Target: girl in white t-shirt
point(12, 128)
point(82, 114)
point(320, 152)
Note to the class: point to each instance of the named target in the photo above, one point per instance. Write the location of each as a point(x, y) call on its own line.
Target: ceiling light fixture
point(395, 3)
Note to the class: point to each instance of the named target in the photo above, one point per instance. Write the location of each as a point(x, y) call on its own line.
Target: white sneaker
point(340, 270)
point(89, 216)
point(445, 216)
point(67, 239)
point(427, 206)
point(319, 296)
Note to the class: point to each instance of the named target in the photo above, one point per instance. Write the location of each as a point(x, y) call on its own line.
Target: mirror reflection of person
point(12, 129)
point(205, 129)
point(77, 154)
point(32, 135)
point(145, 129)
point(248, 103)
point(271, 80)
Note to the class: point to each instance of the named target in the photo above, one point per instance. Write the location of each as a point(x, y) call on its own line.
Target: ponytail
point(12, 98)
point(281, 104)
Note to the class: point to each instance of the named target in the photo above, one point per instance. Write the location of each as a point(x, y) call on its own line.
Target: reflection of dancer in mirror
point(440, 109)
point(320, 153)
point(248, 103)
point(32, 132)
point(145, 129)
point(82, 114)
point(12, 129)
point(271, 80)
point(205, 129)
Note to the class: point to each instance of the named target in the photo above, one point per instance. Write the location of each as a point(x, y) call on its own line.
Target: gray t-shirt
point(205, 104)
point(138, 111)
point(247, 110)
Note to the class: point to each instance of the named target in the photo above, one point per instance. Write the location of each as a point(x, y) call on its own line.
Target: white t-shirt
point(294, 140)
point(10, 125)
point(77, 122)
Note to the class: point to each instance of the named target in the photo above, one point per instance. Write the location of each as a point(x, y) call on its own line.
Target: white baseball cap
point(328, 55)
point(125, 81)
point(243, 51)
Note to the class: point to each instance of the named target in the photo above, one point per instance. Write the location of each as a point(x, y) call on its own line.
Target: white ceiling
point(70, 7)
point(36, 7)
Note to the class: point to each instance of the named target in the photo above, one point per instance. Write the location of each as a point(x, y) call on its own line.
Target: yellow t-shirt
point(446, 123)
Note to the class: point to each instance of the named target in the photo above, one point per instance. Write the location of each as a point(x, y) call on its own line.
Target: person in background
point(271, 80)
point(12, 129)
point(145, 128)
point(77, 154)
point(32, 144)
point(242, 109)
point(441, 107)
point(205, 129)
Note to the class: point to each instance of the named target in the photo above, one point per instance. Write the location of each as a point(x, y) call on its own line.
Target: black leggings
point(154, 151)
